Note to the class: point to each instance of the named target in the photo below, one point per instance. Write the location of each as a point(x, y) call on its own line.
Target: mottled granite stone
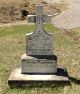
point(38, 64)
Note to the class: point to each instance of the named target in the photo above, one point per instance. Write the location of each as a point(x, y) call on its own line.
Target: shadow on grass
point(74, 80)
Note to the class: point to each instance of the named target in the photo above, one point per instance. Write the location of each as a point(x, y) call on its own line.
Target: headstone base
point(17, 78)
point(38, 64)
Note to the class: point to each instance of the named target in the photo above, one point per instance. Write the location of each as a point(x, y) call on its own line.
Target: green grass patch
point(67, 49)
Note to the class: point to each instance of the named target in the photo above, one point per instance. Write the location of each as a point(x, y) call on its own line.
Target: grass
point(12, 46)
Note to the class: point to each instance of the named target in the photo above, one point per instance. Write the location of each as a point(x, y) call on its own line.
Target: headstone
point(39, 42)
point(39, 56)
point(38, 63)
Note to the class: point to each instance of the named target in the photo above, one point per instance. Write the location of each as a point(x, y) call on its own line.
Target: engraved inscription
point(40, 44)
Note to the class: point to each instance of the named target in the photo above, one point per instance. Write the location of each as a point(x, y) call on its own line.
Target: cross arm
point(32, 18)
point(47, 18)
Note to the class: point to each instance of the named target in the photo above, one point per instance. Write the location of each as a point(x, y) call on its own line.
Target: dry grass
point(11, 10)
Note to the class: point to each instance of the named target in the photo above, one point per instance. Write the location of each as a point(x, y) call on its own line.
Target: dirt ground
point(17, 10)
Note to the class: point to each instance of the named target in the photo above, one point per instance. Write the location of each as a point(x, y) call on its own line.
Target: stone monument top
point(39, 42)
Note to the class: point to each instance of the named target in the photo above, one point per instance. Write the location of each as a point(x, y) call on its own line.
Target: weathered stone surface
point(38, 64)
point(17, 78)
point(39, 42)
point(32, 18)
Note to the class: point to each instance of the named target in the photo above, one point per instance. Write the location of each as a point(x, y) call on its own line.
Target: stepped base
point(38, 64)
point(17, 78)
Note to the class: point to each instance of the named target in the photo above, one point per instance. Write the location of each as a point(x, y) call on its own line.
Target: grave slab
point(17, 78)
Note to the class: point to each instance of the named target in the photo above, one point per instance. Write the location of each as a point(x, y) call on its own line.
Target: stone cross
point(39, 42)
point(39, 18)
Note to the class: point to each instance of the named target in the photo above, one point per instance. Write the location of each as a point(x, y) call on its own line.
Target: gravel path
point(69, 18)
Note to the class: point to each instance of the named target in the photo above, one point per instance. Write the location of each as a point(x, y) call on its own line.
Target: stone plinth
point(38, 64)
point(17, 78)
